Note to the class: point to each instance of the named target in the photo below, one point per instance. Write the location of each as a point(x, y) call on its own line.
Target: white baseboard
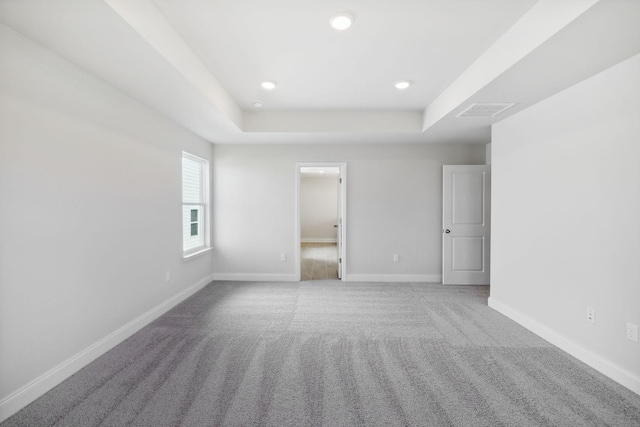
point(431, 278)
point(39, 386)
point(597, 362)
point(256, 277)
point(318, 240)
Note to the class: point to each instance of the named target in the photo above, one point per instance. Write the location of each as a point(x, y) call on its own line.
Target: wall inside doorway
point(318, 208)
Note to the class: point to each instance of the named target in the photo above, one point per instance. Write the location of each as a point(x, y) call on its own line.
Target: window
point(195, 204)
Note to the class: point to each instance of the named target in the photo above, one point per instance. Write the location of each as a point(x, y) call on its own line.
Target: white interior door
point(465, 225)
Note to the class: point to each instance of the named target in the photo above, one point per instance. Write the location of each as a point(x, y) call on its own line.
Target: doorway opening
point(321, 225)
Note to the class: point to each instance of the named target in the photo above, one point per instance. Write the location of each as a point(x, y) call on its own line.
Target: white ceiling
point(200, 62)
point(317, 68)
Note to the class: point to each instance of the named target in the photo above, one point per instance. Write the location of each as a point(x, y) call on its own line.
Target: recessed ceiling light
point(403, 84)
point(268, 85)
point(257, 104)
point(341, 21)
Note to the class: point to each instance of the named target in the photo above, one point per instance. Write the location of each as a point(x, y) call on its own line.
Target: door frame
point(343, 213)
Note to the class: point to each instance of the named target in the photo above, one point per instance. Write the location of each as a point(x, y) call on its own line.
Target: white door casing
point(339, 230)
point(342, 215)
point(466, 224)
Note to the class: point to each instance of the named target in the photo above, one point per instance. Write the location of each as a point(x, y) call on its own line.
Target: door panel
point(465, 225)
point(468, 253)
point(467, 192)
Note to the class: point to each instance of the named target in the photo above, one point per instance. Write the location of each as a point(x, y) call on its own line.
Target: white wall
point(394, 206)
point(566, 219)
point(318, 208)
point(90, 217)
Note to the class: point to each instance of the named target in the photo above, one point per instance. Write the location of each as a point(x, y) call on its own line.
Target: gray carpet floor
point(328, 353)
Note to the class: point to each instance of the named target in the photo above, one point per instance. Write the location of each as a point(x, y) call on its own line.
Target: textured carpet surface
point(334, 354)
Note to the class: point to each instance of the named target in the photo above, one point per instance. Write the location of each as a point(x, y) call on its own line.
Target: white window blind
point(195, 204)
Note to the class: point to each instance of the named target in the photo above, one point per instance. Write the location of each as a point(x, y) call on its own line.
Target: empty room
point(319, 213)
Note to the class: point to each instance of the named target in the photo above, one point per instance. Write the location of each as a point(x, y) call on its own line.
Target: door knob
point(447, 231)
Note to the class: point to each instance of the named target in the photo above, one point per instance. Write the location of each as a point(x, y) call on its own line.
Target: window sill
point(196, 254)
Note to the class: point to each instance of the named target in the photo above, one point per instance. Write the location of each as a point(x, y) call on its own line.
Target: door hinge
point(340, 260)
point(340, 180)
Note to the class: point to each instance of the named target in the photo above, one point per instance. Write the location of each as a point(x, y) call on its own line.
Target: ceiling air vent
point(486, 109)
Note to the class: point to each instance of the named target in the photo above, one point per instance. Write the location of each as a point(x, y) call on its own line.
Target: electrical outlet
point(632, 332)
point(396, 258)
point(591, 315)
point(283, 257)
point(167, 276)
